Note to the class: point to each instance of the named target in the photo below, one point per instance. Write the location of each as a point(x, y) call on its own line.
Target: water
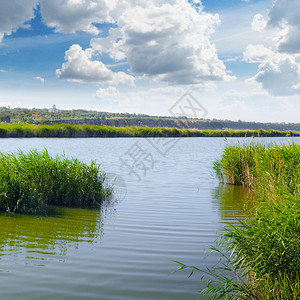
point(170, 207)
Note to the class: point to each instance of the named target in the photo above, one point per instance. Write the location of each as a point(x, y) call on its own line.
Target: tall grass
point(238, 164)
point(29, 182)
point(267, 245)
point(261, 255)
point(80, 131)
point(271, 170)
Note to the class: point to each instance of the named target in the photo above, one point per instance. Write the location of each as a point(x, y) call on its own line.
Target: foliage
point(29, 182)
point(90, 117)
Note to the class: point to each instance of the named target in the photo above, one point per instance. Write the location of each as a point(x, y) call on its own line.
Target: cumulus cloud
point(166, 42)
point(278, 73)
point(14, 13)
point(285, 14)
point(279, 68)
point(69, 16)
point(257, 54)
point(41, 79)
point(2, 71)
point(80, 67)
point(284, 10)
point(287, 40)
point(112, 44)
point(259, 23)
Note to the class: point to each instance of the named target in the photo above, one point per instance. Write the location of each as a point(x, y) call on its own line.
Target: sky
point(238, 59)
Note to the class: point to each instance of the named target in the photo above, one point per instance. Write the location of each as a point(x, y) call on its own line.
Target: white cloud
point(41, 79)
point(279, 69)
point(69, 16)
point(113, 44)
point(259, 23)
point(166, 42)
point(80, 67)
point(257, 54)
point(280, 74)
point(285, 14)
point(284, 10)
point(14, 13)
point(287, 40)
point(2, 71)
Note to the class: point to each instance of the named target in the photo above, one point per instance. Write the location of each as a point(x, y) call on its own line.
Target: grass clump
point(238, 164)
point(29, 182)
point(271, 170)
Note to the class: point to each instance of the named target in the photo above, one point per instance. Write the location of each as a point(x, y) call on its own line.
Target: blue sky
point(239, 59)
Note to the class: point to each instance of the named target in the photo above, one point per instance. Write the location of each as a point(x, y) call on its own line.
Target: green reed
point(31, 181)
point(271, 170)
point(260, 255)
point(81, 131)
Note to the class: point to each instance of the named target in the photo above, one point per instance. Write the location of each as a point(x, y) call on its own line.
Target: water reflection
point(37, 237)
point(233, 201)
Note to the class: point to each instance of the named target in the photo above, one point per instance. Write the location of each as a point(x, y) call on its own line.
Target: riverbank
point(265, 248)
point(16, 130)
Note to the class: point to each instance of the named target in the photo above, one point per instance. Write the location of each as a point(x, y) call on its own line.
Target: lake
point(167, 206)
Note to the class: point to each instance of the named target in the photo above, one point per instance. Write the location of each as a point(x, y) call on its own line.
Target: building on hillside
point(53, 110)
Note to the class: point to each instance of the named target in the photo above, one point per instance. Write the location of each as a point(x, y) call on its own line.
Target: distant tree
point(5, 118)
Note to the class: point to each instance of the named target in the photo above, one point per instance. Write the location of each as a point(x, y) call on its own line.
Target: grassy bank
point(81, 131)
point(29, 182)
point(264, 249)
point(260, 255)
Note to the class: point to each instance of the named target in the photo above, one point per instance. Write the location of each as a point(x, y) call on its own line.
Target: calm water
point(169, 206)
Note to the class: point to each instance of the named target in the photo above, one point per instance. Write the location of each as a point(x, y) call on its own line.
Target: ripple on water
point(122, 251)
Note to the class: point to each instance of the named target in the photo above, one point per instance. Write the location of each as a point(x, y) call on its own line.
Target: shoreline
point(22, 130)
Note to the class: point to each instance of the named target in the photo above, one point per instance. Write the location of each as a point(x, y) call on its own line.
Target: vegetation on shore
point(41, 115)
point(53, 116)
point(261, 253)
point(273, 171)
point(29, 182)
point(266, 246)
point(82, 131)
